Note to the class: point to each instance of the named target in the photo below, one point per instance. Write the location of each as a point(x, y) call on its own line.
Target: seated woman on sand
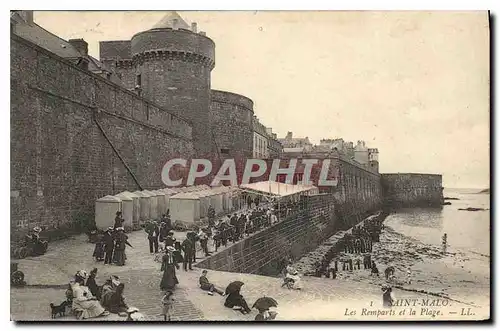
point(108, 289)
point(116, 303)
point(84, 303)
point(292, 278)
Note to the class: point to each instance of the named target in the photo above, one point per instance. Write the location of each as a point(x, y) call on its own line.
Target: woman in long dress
point(168, 266)
point(121, 241)
point(117, 304)
point(108, 289)
point(84, 303)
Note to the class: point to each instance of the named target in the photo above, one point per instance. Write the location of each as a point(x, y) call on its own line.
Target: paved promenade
point(321, 299)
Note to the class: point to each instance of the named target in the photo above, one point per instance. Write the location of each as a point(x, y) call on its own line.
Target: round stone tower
point(173, 66)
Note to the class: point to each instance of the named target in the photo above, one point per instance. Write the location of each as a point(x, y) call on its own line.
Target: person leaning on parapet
point(274, 219)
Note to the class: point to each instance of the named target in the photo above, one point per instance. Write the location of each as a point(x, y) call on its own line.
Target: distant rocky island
point(485, 191)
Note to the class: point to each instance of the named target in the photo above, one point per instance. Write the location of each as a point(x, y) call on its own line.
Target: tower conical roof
point(168, 21)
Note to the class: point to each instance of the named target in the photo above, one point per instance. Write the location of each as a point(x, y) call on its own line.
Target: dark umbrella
point(234, 287)
point(265, 303)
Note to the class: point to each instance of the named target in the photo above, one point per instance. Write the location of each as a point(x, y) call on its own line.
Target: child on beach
point(444, 242)
point(167, 302)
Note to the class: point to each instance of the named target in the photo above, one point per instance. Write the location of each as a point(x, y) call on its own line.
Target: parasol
point(234, 287)
point(265, 303)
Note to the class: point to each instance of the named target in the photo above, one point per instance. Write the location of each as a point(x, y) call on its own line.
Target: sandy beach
point(456, 275)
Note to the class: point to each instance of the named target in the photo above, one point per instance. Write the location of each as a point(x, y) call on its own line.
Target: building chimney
point(29, 16)
point(289, 135)
point(81, 45)
point(194, 27)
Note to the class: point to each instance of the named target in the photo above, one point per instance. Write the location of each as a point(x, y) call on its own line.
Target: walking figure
point(167, 301)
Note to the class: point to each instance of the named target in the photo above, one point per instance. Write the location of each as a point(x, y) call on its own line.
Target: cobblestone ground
point(320, 299)
point(141, 275)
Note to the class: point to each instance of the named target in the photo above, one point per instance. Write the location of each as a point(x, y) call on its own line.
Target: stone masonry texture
point(408, 190)
point(61, 161)
point(175, 68)
point(263, 252)
point(231, 120)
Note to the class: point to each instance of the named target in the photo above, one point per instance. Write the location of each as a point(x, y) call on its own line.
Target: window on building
point(138, 80)
point(224, 150)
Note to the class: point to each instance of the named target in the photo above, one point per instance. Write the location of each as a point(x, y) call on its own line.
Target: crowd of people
point(230, 228)
point(353, 251)
point(89, 300)
point(258, 216)
point(110, 246)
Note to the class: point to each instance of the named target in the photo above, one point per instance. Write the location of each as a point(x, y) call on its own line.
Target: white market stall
point(185, 208)
point(225, 194)
point(204, 198)
point(127, 209)
point(105, 211)
point(144, 201)
point(136, 211)
point(162, 202)
point(216, 200)
point(276, 191)
point(153, 204)
point(168, 194)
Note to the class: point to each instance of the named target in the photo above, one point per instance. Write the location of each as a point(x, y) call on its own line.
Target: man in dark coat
point(118, 220)
point(189, 250)
point(153, 232)
point(367, 261)
point(234, 223)
point(121, 240)
point(164, 230)
point(211, 216)
point(240, 226)
point(109, 245)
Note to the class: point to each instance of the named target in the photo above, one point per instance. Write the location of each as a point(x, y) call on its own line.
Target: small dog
point(58, 310)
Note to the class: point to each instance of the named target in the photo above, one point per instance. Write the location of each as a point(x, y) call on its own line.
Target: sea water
point(467, 231)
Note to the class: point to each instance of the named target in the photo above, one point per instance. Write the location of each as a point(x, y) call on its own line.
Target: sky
point(415, 85)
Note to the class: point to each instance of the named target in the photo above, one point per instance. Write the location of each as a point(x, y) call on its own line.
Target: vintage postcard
point(250, 166)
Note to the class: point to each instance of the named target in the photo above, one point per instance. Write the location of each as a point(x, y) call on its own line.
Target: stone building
point(265, 143)
point(170, 64)
point(83, 128)
point(231, 121)
point(273, 145)
point(260, 140)
point(290, 142)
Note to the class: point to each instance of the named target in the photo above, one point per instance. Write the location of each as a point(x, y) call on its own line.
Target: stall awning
point(276, 188)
